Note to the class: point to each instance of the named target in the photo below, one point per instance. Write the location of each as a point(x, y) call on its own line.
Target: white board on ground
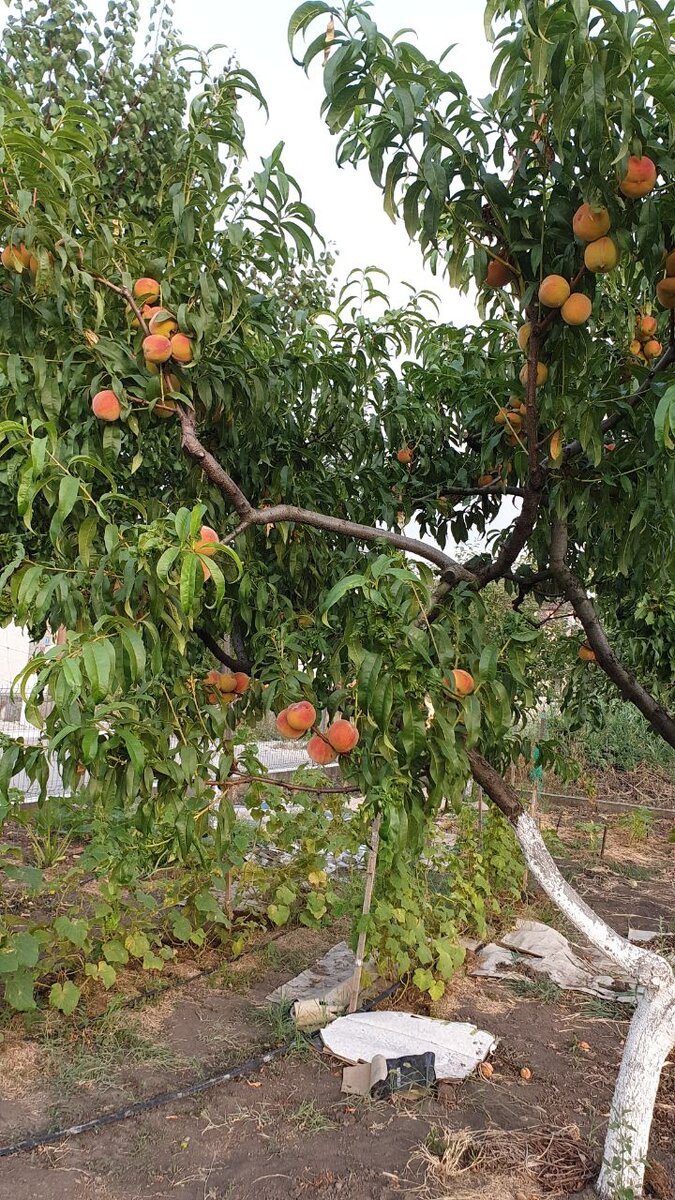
point(536, 947)
point(458, 1046)
point(329, 979)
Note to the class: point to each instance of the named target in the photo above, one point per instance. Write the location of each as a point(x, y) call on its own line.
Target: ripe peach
point(586, 654)
point(146, 289)
point(285, 729)
point(301, 715)
point(639, 178)
point(498, 274)
point(645, 325)
point(343, 736)
point(156, 348)
point(181, 348)
point(242, 682)
point(16, 258)
point(601, 255)
point(556, 445)
point(523, 336)
point(670, 263)
point(589, 224)
point(652, 348)
point(577, 309)
point(665, 291)
point(554, 290)
point(165, 409)
point(485, 480)
point(227, 681)
point(163, 322)
point(636, 347)
point(319, 751)
point(502, 416)
point(204, 545)
point(542, 374)
point(106, 406)
point(405, 455)
point(462, 682)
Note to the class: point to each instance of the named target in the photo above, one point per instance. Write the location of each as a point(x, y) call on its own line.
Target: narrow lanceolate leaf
point(190, 567)
point(99, 663)
point(338, 591)
point(664, 419)
point(134, 651)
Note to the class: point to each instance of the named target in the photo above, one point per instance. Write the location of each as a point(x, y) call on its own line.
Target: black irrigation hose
point(46, 1136)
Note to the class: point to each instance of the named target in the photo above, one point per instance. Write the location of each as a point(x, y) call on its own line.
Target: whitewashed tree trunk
point(651, 1035)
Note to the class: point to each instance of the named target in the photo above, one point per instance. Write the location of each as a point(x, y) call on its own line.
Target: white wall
point(14, 653)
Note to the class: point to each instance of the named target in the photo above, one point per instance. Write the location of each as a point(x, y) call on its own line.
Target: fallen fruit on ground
point(601, 256)
point(542, 374)
point(525, 1073)
point(106, 406)
point(146, 289)
point(320, 751)
point(181, 348)
point(342, 735)
point(589, 224)
point(577, 309)
point(156, 348)
point(554, 290)
point(285, 729)
point(486, 1070)
point(301, 715)
point(640, 177)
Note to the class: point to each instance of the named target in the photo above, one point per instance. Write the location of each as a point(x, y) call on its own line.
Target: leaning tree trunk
point(652, 1031)
point(651, 1035)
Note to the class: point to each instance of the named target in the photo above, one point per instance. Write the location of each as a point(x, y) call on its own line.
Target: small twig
point(237, 780)
point(122, 291)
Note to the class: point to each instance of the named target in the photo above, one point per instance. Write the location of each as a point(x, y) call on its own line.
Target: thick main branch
point(583, 606)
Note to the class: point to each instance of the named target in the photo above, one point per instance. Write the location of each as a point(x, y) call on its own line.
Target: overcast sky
point(348, 205)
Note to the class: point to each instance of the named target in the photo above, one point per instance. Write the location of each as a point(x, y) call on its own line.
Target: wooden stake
point(367, 897)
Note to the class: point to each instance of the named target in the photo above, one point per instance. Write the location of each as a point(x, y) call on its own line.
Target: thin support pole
point(367, 897)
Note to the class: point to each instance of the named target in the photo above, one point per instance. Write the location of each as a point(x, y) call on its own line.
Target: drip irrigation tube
point(243, 1070)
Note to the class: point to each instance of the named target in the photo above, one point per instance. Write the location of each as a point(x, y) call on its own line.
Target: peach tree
point(202, 463)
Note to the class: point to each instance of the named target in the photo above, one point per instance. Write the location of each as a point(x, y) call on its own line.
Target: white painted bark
point(651, 1035)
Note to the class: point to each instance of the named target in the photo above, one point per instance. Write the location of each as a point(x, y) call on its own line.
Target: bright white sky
point(348, 205)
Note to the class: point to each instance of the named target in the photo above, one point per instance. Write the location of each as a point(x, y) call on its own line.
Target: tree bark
point(651, 1035)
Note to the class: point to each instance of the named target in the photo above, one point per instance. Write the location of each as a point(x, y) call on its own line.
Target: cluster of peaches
point(163, 344)
point(20, 259)
point(644, 345)
point(340, 738)
point(225, 687)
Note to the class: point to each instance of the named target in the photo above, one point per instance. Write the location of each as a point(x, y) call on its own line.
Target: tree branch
point(234, 664)
point(630, 689)
point(365, 533)
point(240, 780)
point(645, 966)
point(210, 465)
point(516, 540)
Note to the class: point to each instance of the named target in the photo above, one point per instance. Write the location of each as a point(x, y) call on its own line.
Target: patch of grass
point(277, 1025)
point(543, 990)
point(94, 1058)
point(280, 958)
point(308, 1118)
point(606, 1010)
point(630, 870)
point(235, 979)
